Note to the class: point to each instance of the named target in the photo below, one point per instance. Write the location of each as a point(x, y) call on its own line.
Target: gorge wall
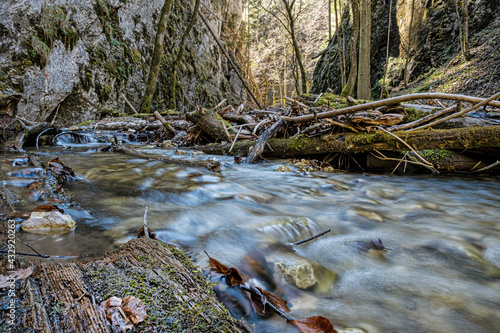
point(430, 35)
point(77, 57)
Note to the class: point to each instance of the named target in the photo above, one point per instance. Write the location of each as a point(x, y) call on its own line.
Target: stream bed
point(440, 274)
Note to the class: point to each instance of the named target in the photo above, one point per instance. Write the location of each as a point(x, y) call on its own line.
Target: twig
point(265, 121)
point(225, 130)
point(31, 247)
point(128, 103)
point(264, 300)
point(488, 167)
point(220, 104)
point(55, 116)
point(421, 120)
point(333, 122)
point(475, 166)
point(236, 138)
point(165, 124)
point(397, 166)
point(145, 223)
point(407, 145)
point(317, 98)
point(486, 101)
point(302, 105)
point(39, 135)
point(39, 255)
point(385, 158)
point(309, 239)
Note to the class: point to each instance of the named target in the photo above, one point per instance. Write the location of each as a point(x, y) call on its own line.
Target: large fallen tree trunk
point(459, 138)
point(176, 295)
point(210, 122)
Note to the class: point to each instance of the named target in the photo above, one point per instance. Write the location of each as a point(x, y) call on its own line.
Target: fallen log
point(209, 122)
point(458, 138)
point(390, 101)
point(262, 142)
point(176, 295)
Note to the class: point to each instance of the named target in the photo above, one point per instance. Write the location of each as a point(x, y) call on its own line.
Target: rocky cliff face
point(432, 39)
point(75, 58)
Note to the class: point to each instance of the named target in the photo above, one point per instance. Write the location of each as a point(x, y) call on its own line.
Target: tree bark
point(66, 297)
point(157, 54)
point(364, 87)
point(209, 122)
point(459, 138)
point(298, 55)
point(339, 46)
point(348, 90)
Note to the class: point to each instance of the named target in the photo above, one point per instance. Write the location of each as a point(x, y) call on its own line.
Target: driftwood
point(459, 138)
point(422, 120)
point(264, 138)
point(390, 101)
point(210, 165)
point(238, 118)
point(66, 297)
point(170, 130)
point(209, 122)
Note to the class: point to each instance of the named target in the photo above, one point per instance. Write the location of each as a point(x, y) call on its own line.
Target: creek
point(441, 274)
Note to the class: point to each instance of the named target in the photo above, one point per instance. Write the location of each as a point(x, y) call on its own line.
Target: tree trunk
point(341, 55)
point(298, 55)
point(348, 90)
point(66, 297)
point(364, 90)
point(459, 138)
point(157, 54)
point(209, 122)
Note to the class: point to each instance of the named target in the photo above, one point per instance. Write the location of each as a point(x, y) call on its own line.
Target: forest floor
point(479, 76)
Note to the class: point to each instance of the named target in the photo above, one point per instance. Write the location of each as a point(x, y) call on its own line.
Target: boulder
point(49, 223)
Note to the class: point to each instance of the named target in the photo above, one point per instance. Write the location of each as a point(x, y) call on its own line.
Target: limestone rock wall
point(77, 57)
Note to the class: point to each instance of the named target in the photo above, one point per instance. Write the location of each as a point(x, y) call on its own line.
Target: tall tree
point(348, 90)
point(364, 87)
point(157, 54)
point(463, 28)
point(291, 23)
point(341, 55)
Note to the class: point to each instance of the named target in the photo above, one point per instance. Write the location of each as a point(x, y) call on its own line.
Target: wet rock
point(305, 274)
point(49, 223)
point(168, 144)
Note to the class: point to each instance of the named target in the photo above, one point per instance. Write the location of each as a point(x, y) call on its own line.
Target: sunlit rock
point(49, 223)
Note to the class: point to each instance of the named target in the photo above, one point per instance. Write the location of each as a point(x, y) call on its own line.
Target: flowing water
point(441, 274)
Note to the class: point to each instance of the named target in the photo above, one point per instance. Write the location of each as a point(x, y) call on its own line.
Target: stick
point(220, 104)
point(302, 105)
point(389, 101)
point(488, 167)
point(236, 138)
point(317, 98)
point(165, 124)
point(385, 158)
point(55, 116)
point(31, 247)
point(421, 120)
point(39, 255)
point(261, 143)
point(145, 223)
point(342, 125)
point(310, 238)
point(265, 302)
point(128, 103)
point(229, 59)
point(227, 133)
point(429, 164)
point(486, 101)
point(265, 121)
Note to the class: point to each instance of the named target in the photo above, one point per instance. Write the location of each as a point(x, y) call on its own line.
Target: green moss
point(38, 51)
point(103, 91)
point(437, 155)
point(136, 56)
point(412, 114)
point(85, 123)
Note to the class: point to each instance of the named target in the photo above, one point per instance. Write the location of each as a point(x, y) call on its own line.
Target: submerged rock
point(49, 223)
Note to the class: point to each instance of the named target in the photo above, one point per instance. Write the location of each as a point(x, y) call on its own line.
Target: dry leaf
point(216, 266)
point(316, 324)
point(124, 313)
point(260, 299)
point(47, 208)
point(18, 275)
point(134, 309)
point(233, 277)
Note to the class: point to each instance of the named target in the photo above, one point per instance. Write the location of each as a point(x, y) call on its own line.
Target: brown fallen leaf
point(316, 324)
point(19, 215)
point(34, 186)
point(233, 277)
point(47, 208)
point(262, 298)
point(216, 266)
point(18, 275)
point(134, 309)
